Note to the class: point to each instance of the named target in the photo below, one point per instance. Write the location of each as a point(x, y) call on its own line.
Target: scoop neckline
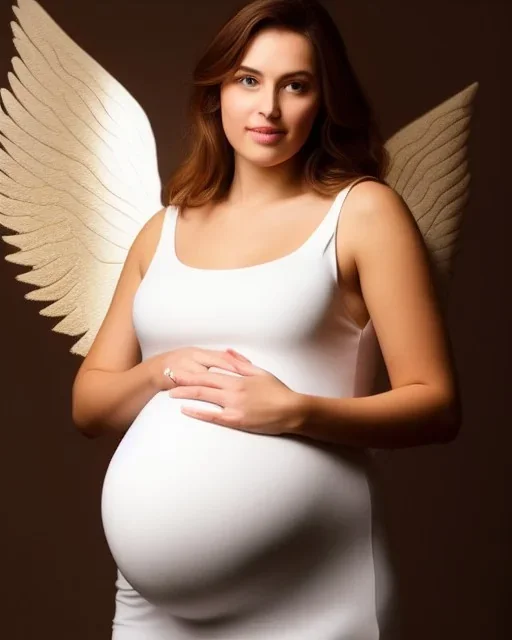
point(260, 265)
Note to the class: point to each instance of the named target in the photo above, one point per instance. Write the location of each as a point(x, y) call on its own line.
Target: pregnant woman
point(239, 349)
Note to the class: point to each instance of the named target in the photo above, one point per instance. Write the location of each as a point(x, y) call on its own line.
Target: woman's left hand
point(256, 401)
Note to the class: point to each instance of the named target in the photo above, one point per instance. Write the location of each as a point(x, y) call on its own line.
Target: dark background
point(446, 504)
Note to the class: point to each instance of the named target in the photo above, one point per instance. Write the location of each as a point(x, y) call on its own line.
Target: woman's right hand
point(189, 359)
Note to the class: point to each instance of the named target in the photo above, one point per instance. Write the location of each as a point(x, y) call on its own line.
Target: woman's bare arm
point(424, 403)
point(112, 384)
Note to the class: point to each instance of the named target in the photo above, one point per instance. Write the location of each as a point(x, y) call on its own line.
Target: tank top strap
point(171, 213)
point(327, 228)
point(167, 239)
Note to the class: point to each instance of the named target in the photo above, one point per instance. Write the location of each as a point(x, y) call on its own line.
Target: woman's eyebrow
point(301, 72)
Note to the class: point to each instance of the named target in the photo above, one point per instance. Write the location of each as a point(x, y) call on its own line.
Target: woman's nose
point(269, 105)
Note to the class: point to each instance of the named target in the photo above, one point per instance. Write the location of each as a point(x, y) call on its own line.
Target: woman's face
point(262, 97)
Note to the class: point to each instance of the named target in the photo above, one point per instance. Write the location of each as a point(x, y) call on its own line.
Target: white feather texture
point(79, 175)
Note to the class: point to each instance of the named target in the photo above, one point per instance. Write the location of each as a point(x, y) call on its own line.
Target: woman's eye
point(301, 85)
point(240, 80)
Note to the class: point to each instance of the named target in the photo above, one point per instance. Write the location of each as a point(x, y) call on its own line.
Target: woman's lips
point(266, 138)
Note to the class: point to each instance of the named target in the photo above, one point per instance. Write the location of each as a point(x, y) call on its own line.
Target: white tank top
point(222, 533)
point(286, 315)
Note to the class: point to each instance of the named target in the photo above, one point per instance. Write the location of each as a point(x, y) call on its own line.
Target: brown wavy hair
point(344, 142)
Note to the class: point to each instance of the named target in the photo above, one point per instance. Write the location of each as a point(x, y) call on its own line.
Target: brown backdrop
point(446, 504)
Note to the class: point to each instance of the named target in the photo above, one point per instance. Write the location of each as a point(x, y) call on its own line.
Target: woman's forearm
point(105, 401)
point(407, 416)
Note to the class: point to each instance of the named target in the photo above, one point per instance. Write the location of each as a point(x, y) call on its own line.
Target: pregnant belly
point(207, 520)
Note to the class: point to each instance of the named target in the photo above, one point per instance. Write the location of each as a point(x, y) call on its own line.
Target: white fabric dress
point(222, 534)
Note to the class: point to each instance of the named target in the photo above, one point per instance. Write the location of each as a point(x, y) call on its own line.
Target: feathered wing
point(78, 174)
point(429, 169)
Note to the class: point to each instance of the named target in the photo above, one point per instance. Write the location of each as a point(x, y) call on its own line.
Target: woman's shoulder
point(373, 212)
point(370, 200)
point(372, 191)
point(380, 219)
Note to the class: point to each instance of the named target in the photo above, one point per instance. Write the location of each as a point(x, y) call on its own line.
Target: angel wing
point(79, 175)
point(429, 169)
point(82, 179)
